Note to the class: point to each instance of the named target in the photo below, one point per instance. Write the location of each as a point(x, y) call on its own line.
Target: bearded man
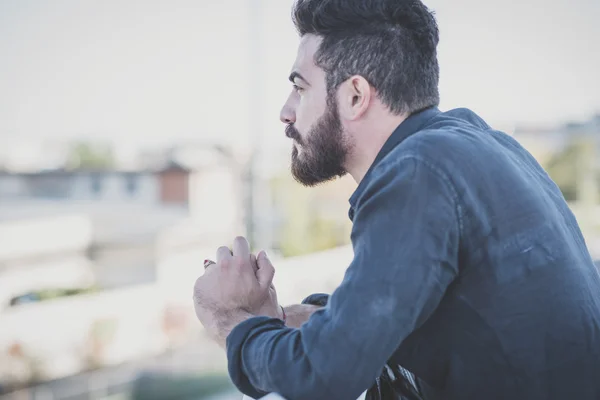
point(469, 269)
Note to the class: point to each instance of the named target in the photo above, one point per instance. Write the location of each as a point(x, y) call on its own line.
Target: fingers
point(266, 271)
point(240, 252)
point(223, 255)
point(253, 262)
point(241, 248)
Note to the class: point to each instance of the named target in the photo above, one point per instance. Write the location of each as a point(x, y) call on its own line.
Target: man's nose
point(287, 114)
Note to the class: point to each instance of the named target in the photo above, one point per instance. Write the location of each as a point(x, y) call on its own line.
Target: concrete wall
point(32, 237)
point(79, 332)
point(44, 253)
point(117, 266)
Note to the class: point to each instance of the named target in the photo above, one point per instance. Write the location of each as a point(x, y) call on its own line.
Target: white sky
point(148, 71)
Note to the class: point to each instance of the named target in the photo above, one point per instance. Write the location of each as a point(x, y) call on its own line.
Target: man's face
point(320, 146)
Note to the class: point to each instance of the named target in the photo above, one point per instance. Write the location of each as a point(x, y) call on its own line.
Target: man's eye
point(297, 88)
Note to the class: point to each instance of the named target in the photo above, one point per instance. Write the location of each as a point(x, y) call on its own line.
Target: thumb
point(266, 271)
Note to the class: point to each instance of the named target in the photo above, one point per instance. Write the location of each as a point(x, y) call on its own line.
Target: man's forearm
point(298, 314)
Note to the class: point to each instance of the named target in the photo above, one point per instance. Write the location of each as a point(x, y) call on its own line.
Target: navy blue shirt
point(469, 270)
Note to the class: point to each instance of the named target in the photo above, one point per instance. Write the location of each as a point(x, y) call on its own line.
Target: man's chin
point(306, 181)
point(303, 175)
point(303, 170)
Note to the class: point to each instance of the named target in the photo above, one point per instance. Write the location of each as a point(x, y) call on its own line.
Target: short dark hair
point(391, 43)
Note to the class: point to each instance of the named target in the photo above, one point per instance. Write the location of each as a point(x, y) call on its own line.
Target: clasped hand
point(238, 286)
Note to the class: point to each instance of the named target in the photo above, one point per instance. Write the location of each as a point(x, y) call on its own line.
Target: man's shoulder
point(453, 139)
point(458, 151)
point(436, 145)
point(433, 151)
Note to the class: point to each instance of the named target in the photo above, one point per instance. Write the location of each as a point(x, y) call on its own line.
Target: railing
point(275, 396)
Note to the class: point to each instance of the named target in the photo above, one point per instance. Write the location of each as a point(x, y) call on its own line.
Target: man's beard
point(323, 150)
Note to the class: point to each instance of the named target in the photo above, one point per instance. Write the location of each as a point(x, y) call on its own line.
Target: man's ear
point(355, 95)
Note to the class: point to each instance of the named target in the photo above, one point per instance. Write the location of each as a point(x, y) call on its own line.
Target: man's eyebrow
point(295, 75)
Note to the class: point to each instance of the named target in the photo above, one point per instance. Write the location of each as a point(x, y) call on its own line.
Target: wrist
point(298, 314)
point(230, 321)
point(282, 314)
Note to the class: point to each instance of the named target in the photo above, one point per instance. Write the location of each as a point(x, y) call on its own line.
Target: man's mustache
point(292, 133)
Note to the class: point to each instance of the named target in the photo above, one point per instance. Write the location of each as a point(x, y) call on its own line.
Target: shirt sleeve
point(406, 240)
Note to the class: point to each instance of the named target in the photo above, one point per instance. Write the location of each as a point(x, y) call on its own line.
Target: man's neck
point(368, 144)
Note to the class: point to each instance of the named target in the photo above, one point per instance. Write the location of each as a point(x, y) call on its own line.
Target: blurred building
point(173, 185)
point(127, 214)
point(130, 243)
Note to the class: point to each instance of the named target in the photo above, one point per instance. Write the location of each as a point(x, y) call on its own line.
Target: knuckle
point(225, 263)
point(239, 262)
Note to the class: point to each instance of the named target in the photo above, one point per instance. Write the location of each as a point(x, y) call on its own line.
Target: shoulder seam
point(439, 173)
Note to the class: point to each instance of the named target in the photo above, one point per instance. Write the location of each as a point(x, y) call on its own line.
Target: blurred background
point(138, 136)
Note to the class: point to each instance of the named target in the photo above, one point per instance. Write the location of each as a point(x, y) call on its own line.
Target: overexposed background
point(138, 136)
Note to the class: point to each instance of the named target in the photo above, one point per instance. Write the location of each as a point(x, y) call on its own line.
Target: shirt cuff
point(234, 344)
point(317, 299)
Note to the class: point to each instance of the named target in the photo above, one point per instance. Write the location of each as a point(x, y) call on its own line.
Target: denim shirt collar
point(409, 126)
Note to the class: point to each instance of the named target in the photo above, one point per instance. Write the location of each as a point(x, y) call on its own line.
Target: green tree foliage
point(569, 167)
point(86, 155)
point(310, 219)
